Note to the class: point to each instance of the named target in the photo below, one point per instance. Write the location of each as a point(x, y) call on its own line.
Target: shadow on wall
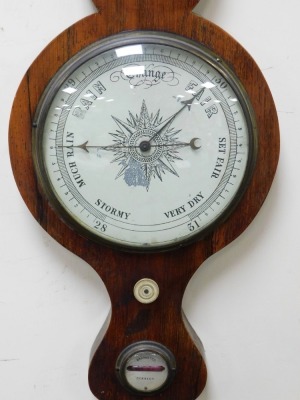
point(210, 9)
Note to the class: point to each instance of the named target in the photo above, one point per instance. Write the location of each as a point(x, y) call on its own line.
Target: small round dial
point(145, 367)
point(144, 141)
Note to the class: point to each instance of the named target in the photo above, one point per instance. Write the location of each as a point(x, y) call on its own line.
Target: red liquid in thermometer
point(145, 368)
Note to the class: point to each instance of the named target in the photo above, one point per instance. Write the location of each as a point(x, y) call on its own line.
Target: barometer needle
point(85, 146)
point(168, 121)
point(146, 145)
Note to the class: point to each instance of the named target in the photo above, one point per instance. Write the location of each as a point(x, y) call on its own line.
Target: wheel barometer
point(150, 141)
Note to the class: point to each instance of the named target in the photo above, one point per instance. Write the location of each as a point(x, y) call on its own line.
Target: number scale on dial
point(145, 146)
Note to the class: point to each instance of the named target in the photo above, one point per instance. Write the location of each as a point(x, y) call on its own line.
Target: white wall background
point(244, 302)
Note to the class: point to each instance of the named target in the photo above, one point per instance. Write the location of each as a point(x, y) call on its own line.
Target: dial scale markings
point(101, 124)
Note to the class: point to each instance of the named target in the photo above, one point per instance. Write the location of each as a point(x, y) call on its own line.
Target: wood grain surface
point(162, 320)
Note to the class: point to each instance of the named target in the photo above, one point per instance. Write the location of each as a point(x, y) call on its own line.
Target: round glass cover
point(144, 140)
point(145, 367)
point(146, 371)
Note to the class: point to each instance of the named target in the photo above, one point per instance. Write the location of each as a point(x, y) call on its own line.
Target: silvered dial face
point(144, 141)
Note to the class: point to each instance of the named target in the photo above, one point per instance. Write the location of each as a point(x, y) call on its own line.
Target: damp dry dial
point(145, 367)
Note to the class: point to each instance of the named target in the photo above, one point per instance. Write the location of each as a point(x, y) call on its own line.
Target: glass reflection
point(129, 50)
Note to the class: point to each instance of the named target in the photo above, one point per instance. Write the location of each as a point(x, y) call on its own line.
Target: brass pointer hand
point(193, 143)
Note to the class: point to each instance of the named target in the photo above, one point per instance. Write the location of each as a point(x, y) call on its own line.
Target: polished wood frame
point(131, 321)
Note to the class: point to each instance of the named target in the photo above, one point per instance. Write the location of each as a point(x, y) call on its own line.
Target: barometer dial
point(144, 141)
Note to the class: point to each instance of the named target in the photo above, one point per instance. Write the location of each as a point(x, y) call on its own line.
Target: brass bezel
point(131, 38)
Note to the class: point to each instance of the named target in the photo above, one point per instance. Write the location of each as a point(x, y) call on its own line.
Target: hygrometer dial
point(145, 367)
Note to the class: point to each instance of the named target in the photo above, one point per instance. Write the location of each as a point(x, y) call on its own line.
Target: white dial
point(144, 141)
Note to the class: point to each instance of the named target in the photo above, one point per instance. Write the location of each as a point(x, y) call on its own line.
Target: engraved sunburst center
point(144, 154)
